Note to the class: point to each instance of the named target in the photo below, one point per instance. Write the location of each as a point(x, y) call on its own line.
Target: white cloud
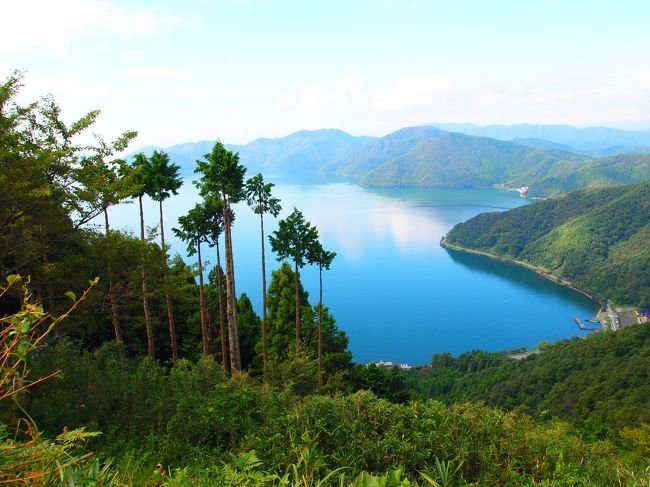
point(357, 104)
point(154, 72)
point(407, 91)
point(281, 102)
point(39, 84)
point(30, 25)
point(311, 95)
point(411, 90)
point(133, 54)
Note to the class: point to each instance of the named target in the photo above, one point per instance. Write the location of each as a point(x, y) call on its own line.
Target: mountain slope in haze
point(380, 150)
point(593, 140)
point(301, 151)
point(541, 144)
point(304, 150)
point(185, 155)
point(598, 239)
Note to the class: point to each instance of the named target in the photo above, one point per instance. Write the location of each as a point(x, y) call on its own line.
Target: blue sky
point(241, 69)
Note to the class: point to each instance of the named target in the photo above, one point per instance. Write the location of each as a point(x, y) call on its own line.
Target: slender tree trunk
point(145, 291)
point(50, 291)
point(231, 300)
point(297, 279)
point(320, 327)
point(204, 321)
point(212, 346)
point(114, 317)
point(168, 297)
point(264, 344)
point(222, 320)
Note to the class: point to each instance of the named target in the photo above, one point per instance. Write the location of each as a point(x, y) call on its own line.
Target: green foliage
point(595, 239)
point(282, 312)
point(466, 377)
point(599, 382)
point(163, 178)
point(249, 332)
point(319, 256)
point(202, 428)
point(281, 318)
point(221, 173)
point(25, 457)
point(294, 239)
point(50, 184)
point(258, 195)
point(194, 228)
point(386, 383)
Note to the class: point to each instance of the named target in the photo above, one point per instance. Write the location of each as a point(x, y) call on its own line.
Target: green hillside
point(597, 239)
point(607, 171)
point(379, 151)
point(457, 160)
point(427, 157)
point(599, 380)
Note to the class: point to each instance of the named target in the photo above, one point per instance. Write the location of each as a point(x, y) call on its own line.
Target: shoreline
point(550, 277)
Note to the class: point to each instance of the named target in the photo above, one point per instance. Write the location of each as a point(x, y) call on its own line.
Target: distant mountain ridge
point(591, 140)
point(426, 156)
point(303, 150)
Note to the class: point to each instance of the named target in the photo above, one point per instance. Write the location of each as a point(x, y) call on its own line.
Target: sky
point(235, 70)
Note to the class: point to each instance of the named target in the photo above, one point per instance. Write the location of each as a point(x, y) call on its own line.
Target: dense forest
point(599, 383)
point(596, 239)
point(122, 366)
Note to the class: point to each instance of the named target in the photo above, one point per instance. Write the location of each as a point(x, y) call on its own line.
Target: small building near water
point(644, 315)
point(390, 365)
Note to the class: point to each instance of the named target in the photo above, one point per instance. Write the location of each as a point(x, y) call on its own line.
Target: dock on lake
point(582, 326)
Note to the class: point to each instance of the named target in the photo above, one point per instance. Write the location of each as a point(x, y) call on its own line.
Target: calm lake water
point(397, 294)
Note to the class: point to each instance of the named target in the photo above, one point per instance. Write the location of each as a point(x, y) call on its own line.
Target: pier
point(582, 326)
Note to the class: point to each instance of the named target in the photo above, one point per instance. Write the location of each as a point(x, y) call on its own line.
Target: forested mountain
point(457, 160)
point(429, 157)
point(597, 239)
point(592, 140)
point(599, 382)
point(541, 144)
point(608, 171)
point(378, 152)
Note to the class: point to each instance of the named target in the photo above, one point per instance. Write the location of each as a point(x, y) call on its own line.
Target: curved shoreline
point(550, 277)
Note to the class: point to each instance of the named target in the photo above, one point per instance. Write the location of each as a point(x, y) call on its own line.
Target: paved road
point(612, 317)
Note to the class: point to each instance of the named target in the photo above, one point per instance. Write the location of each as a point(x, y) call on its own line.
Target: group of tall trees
point(221, 184)
point(53, 193)
point(158, 178)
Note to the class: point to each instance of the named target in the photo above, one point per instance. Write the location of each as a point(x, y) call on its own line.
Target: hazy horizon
point(379, 135)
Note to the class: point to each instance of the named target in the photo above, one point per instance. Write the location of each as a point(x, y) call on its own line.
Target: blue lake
point(397, 294)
